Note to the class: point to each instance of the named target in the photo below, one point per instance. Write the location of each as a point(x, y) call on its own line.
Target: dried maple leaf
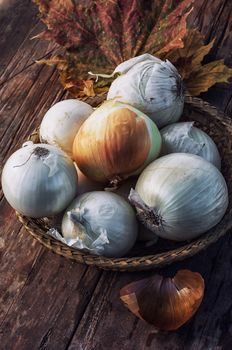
point(198, 77)
point(208, 75)
point(100, 34)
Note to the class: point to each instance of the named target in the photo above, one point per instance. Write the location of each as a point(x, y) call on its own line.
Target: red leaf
point(100, 34)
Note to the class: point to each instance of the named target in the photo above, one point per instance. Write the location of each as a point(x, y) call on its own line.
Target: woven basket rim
point(147, 261)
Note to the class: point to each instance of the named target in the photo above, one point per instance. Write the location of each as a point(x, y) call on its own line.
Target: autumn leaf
point(97, 35)
point(208, 75)
point(192, 53)
point(70, 77)
point(198, 77)
point(100, 34)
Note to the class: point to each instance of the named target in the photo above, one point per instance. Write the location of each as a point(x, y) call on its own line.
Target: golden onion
point(115, 142)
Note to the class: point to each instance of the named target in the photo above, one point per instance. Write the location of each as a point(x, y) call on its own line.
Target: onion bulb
point(39, 180)
point(115, 142)
point(166, 303)
point(103, 223)
point(180, 196)
point(151, 85)
point(61, 123)
point(186, 138)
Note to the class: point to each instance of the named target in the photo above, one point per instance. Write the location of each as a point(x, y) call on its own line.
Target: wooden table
point(48, 302)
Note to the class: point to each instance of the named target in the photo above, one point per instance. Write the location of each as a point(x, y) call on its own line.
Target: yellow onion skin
point(116, 141)
point(167, 303)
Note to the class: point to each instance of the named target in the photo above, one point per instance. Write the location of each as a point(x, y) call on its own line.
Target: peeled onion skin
point(148, 216)
point(166, 303)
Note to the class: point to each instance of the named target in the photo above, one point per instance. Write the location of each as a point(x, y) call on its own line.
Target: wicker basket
point(219, 127)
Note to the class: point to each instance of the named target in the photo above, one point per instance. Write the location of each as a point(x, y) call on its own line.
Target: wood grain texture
point(209, 328)
point(15, 23)
point(48, 302)
point(214, 19)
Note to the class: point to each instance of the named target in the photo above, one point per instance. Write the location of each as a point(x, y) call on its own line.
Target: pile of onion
point(180, 192)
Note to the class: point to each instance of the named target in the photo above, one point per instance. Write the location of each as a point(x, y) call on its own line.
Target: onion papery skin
point(39, 186)
point(61, 123)
point(182, 196)
point(166, 303)
point(151, 85)
point(116, 141)
point(186, 138)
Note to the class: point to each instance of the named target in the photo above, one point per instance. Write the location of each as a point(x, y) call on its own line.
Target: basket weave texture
point(219, 127)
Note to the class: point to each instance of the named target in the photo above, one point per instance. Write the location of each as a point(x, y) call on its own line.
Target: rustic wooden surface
point(48, 302)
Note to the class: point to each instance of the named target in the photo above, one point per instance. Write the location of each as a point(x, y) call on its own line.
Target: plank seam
point(23, 286)
point(84, 310)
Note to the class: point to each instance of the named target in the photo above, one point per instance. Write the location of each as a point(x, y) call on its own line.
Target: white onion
point(62, 122)
point(186, 138)
point(102, 222)
point(151, 85)
point(180, 196)
point(39, 180)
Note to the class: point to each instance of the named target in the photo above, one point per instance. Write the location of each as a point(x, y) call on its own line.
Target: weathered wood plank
point(15, 23)
point(30, 317)
point(18, 80)
point(30, 100)
point(20, 75)
point(108, 324)
point(43, 296)
point(14, 246)
point(50, 304)
point(18, 253)
point(35, 89)
point(35, 49)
